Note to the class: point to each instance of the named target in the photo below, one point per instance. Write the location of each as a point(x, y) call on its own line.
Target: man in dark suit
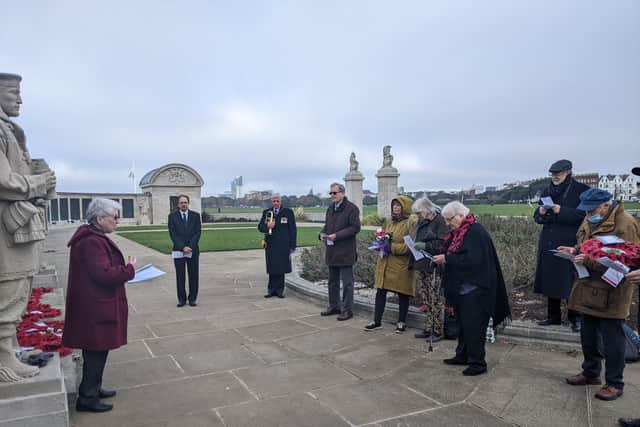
point(184, 229)
point(279, 227)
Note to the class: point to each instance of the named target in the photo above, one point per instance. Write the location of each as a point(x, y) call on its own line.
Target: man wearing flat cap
point(560, 222)
point(603, 301)
point(23, 194)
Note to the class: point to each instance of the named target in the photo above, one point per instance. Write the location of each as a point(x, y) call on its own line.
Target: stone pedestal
point(387, 189)
point(47, 277)
point(353, 186)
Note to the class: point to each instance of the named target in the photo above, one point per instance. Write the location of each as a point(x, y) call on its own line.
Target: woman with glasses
point(392, 270)
point(96, 308)
point(473, 282)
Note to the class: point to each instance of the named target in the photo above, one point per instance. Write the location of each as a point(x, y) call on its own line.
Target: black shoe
point(372, 326)
point(96, 406)
point(330, 312)
point(105, 394)
point(422, 334)
point(268, 295)
point(193, 304)
point(629, 422)
point(575, 326)
point(474, 370)
point(400, 327)
point(547, 322)
point(435, 338)
point(280, 295)
point(455, 361)
point(180, 304)
point(344, 316)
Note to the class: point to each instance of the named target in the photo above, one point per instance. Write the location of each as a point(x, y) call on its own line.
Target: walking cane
point(433, 285)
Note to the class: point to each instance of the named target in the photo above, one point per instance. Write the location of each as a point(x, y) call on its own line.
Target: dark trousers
point(92, 370)
point(276, 284)
point(191, 265)
point(473, 322)
point(381, 301)
point(554, 311)
point(609, 332)
point(346, 274)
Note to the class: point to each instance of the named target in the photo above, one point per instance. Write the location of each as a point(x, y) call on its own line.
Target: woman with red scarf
point(473, 283)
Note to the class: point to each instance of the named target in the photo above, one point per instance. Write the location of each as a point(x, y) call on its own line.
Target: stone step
point(549, 333)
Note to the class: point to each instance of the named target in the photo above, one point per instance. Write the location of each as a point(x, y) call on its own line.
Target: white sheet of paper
point(609, 240)
point(547, 202)
point(417, 255)
point(616, 265)
point(329, 242)
point(580, 269)
point(180, 254)
point(613, 277)
point(146, 272)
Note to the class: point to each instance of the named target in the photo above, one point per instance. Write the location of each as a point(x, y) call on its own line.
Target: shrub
point(373, 219)
point(299, 214)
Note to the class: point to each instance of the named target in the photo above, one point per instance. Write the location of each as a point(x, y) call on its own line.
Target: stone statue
point(353, 163)
point(387, 157)
point(24, 186)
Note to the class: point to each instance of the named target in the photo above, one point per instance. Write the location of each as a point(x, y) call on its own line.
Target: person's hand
point(542, 210)
point(187, 250)
point(580, 259)
point(271, 224)
point(132, 260)
point(556, 209)
point(567, 249)
point(331, 237)
point(439, 259)
point(633, 277)
point(50, 180)
point(420, 246)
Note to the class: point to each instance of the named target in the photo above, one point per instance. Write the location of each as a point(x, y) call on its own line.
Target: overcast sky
point(280, 92)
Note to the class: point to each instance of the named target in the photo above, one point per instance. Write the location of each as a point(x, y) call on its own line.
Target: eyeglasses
point(115, 217)
point(450, 218)
point(333, 193)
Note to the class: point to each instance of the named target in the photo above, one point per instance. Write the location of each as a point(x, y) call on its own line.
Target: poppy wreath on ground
point(34, 331)
point(626, 253)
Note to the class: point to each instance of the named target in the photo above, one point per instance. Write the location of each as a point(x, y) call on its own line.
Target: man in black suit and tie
point(184, 229)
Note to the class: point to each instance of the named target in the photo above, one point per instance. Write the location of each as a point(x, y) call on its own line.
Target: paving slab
point(224, 359)
point(133, 351)
point(462, 415)
point(271, 353)
point(268, 332)
point(143, 371)
point(194, 343)
point(181, 327)
point(251, 317)
point(327, 341)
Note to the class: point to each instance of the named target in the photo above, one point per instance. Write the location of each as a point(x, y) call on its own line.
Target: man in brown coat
point(603, 305)
point(341, 225)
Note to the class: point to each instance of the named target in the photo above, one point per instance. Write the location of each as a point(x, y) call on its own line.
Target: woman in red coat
point(96, 308)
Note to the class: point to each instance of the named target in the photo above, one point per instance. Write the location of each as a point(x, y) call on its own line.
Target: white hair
point(337, 184)
point(423, 204)
point(455, 208)
point(99, 208)
point(276, 196)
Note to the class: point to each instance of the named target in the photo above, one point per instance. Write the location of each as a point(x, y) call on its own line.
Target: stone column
point(387, 183)
point(353, 186)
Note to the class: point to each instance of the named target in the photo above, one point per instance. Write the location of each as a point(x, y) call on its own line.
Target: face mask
point(594, 219)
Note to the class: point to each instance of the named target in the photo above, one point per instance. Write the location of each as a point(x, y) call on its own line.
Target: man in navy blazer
point(184, 229)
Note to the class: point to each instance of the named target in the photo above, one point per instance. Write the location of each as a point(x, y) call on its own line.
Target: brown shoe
point(582, 379)
point(608, 392)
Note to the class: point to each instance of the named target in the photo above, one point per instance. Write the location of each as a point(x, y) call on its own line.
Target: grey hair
point(455, 208)
point(99, 208)
point(340, 186)
point(423, 204)
point(276, 196)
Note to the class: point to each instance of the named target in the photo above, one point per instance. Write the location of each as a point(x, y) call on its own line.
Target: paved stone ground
point(238, 359)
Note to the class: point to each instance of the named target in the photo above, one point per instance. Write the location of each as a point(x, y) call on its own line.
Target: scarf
point(559, 191)
point(453, 239)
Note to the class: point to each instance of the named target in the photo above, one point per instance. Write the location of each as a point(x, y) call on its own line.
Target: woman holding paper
point(392, 271)
point(429, 237)
point(96, 307)
point(473, 283)
point(604, 298)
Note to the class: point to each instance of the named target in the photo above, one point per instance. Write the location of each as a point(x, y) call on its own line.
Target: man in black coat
point(342, 223)
point(560, 222)
point(184, 229)
point(279, 227)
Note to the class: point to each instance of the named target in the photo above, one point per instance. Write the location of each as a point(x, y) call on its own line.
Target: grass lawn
point(367, 210)
point(219, 240)
point(205, 226)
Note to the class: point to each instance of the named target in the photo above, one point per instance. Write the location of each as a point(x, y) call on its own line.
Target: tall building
point(623, 187)
point(590, 179)
point(236, 187)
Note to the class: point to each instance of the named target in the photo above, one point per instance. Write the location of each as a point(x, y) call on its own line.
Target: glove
point(420, 246)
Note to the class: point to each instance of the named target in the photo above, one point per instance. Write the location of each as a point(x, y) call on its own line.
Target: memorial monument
point(25, 186)
point(353, 183)
point(387, 183)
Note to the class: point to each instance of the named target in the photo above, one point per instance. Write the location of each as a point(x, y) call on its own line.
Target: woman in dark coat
point(96, 308)
point(429, 237)
point(473, 282)
point(560, 222)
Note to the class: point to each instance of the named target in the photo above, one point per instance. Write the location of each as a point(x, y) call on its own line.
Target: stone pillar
point(387, 183)
point(353, 186)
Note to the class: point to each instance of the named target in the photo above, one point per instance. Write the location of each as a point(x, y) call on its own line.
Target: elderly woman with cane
point(96, 309)
point(473, 282)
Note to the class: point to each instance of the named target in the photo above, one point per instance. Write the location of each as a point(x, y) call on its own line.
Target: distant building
point(623, 187)
point(258, 196)
point(590, 179)
point(490, 189)
point(236, 187)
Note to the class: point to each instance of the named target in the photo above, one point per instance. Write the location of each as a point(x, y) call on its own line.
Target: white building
point(623, 187)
